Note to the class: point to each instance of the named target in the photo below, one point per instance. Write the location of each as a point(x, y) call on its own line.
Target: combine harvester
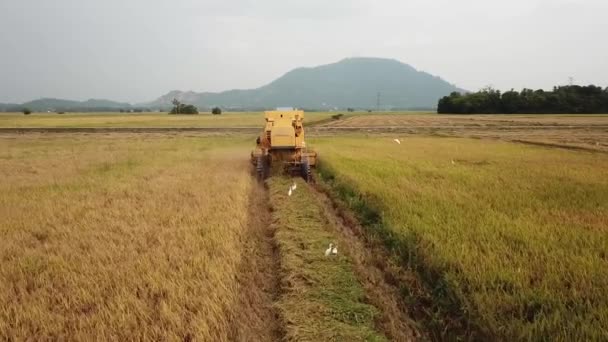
point(281, 146)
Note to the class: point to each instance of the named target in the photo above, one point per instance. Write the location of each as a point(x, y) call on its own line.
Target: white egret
point(332, 250)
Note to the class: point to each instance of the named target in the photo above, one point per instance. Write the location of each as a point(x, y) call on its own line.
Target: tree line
point(568, 99)
point(182, 108)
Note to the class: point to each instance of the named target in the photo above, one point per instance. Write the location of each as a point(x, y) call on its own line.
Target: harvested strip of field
point(124, 238)
point(381, 277)
point(321, 299)
point(495, 120)
point(578, 131)
point(510, 237)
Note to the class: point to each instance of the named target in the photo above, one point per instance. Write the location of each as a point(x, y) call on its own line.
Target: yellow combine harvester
point(282, 146)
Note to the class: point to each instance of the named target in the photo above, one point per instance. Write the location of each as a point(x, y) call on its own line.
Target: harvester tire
point(260, 168)
point(306, 171)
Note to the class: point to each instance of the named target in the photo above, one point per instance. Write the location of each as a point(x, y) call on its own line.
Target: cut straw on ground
point(321, 298)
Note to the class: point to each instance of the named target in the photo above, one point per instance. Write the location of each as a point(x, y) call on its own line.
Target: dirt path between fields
point(254, 317)
point(382, 280)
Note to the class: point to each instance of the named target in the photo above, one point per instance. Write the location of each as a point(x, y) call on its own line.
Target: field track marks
point(380, 279)
point(255, 317)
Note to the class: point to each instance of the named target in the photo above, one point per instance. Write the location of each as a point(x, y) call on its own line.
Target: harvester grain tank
point(281, 146)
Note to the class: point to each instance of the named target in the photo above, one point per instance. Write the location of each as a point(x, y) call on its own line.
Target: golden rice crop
point(120, 238)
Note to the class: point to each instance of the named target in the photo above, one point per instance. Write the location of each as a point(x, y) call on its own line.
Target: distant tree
point(189, 109)
point(216, 111)
point(447, 104)
point(176, 106)
point(26, 111)
point(350, 109)
point(510, 102)
point(181, 108)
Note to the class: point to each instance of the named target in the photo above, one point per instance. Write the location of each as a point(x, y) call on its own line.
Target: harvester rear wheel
point(261, 168)
point(306, 171)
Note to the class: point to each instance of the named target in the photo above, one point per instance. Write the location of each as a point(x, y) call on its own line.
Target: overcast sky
point(137, 50)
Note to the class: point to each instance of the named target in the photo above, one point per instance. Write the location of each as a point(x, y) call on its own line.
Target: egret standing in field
point(332, 250)
point(292, 188)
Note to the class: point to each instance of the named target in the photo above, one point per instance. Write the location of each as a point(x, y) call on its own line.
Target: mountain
point(166, 100)
point(352, 82)
point(360, 83)
point(7, 106)
point(47, 104)
point(101, 103)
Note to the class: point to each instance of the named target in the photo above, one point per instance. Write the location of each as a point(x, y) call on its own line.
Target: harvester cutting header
point(281, 146)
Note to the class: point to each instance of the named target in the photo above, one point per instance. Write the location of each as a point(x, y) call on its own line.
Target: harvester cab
point(281, 146)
